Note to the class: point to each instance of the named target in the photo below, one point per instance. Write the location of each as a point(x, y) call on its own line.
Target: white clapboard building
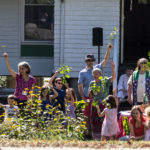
point(49, 33)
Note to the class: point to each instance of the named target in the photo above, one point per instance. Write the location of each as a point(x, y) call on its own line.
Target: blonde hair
point(139, 61)
point(11, 96)
point(97, 70)
point(147, 111)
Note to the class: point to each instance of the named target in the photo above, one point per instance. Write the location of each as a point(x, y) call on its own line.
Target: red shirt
point(138, 131)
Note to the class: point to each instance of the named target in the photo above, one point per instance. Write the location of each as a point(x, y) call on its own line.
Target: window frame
point(22, 24)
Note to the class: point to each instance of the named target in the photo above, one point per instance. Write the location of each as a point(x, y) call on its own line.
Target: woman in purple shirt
point(24, 81)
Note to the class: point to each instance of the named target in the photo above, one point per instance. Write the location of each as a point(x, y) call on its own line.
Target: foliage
point(113, 34)
point(34, 123)
point(126, 125)
point(64, 70)
point(97, 89)
point(81, 104)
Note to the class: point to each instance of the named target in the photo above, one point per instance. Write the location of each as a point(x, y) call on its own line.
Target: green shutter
point(37, 50)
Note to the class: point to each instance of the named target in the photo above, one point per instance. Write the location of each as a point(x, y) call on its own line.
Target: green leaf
point(115, 29)
point(67, 76)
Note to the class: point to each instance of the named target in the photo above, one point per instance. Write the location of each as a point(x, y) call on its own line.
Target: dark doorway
point(136, 30)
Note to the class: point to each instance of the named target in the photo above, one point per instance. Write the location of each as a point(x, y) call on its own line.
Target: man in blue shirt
point(85, 77)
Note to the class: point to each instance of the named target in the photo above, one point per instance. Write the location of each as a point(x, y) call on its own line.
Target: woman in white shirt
point(139, 83)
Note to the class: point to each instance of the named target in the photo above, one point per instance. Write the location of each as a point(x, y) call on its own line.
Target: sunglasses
point(143, 62)
point(90, 60)
point(60, 83)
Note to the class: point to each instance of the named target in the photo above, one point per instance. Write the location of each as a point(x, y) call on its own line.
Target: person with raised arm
point(24, 81)
point(85, 77)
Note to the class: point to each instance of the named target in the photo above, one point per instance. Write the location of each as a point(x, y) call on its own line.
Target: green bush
point(35, 124)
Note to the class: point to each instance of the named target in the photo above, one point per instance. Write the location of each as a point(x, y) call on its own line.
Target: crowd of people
point(101, 113)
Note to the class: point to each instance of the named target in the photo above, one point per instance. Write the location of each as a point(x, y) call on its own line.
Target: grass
point(75, 143)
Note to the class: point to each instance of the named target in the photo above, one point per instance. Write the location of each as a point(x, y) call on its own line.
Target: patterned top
point(21, 84)
point(134, 78)
point(104, 91)
point(11, 112)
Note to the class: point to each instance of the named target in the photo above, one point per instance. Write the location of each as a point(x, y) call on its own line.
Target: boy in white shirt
point(11, 111)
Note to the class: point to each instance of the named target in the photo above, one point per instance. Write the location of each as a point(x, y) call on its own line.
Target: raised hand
point(57, 72)
point(5, 55)
point(112, 64)
point(110, 46)
point(51, 85)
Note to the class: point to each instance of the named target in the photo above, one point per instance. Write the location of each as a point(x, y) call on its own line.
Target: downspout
point(62, 26)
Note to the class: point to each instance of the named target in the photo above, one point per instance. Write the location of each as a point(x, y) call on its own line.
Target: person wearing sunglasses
point(58, 85)
point(139, 84)
point(85, 77)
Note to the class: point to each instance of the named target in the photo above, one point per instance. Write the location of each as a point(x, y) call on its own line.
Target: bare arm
point(8, 65)
point(131, 129)
point(130, 93)
point(1, 105)
point(80, 89)
point(113, 72)
point(115, 95)
point(53, 77)
point(55, 93)
point(107, 55)
point(132, 134)
point(101, 114)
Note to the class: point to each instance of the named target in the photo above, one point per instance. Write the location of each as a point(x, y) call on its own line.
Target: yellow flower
point(57, 111)
point(84, 122)
point(59, 105)
point(58, 131)
point(47, 106)
point(26, 89)
point(50, 113)
point(31, 92)
point(8, 119)
point(55, 119)
point(83, 126)
point(39, 101)
point(56, 100)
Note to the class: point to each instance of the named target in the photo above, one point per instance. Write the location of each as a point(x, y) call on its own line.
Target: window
point(39, 20)
point(143, 1)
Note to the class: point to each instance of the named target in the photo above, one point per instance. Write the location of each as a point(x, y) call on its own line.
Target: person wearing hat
point(85, 77)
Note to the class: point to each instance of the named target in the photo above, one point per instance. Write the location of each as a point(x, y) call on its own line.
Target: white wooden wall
point(10, 35)
point(74, 20)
